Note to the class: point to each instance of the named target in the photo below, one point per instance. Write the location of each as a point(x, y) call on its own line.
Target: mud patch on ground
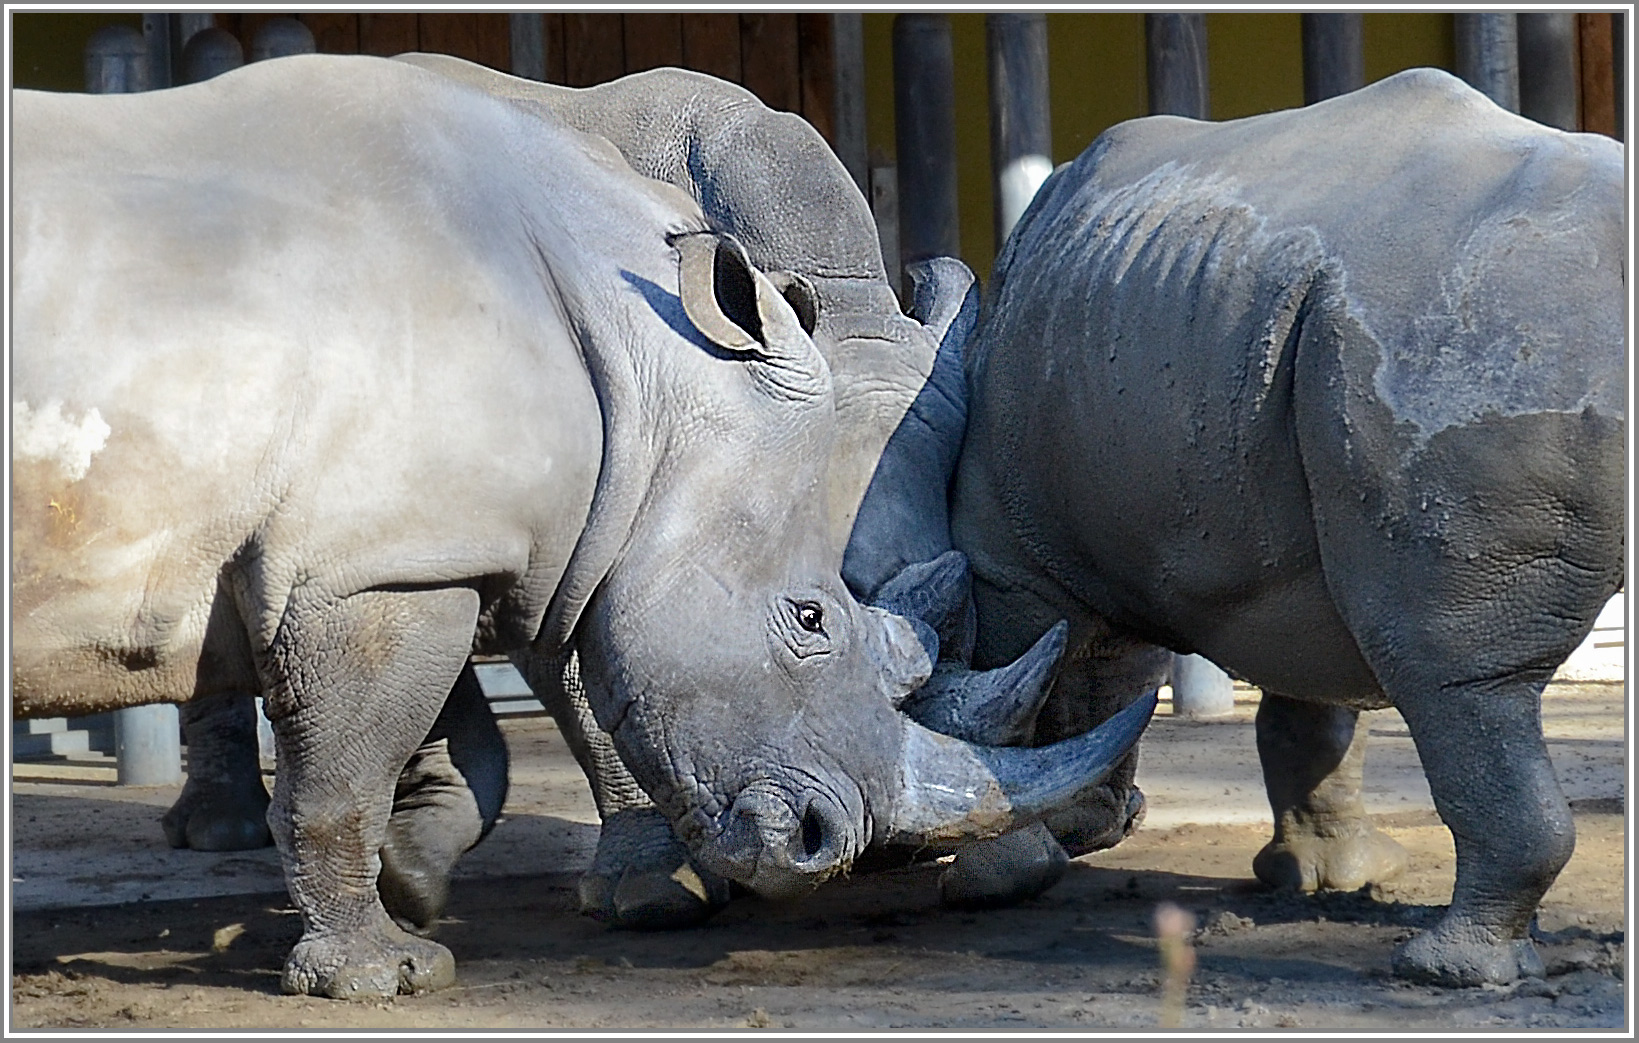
point(869, 953)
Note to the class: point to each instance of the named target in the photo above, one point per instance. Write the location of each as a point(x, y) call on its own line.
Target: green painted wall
point(1096, 80)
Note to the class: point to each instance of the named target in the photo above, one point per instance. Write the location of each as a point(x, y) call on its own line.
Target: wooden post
point(848, 42)
point(528, 45)
point(1175, 48)
point(1547, 68)
point(167, 35)
point(1334, 56)
point(1021, 123)
point(1488, 55)
point(1596, 67)
point(924, 93)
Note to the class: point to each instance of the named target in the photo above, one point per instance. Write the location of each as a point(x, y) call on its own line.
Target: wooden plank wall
point(1596, 39)
point(786, 59)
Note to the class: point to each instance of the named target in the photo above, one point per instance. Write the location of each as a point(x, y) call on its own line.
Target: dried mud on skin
point(871, 953)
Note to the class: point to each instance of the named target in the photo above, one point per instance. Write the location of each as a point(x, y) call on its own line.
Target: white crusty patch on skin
point(47, 434)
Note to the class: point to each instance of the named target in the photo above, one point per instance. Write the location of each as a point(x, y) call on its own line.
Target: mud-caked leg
point(355, 685)
point(641, 877)
point(223, 805)
point(1494, 785)
point(448, 798)
point(1313, 758)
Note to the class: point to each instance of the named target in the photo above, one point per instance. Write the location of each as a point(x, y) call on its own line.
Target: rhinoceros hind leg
point(1004, 870)
point(448, 797)
point(223, 805)
point(1510, 822)
point(642, 878)
point(354, 686)
point(1313, 758)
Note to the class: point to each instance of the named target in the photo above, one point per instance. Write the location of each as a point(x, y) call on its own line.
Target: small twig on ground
point(1172, 928)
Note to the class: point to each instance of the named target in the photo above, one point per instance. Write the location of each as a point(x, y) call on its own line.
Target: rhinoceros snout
point(766, 845)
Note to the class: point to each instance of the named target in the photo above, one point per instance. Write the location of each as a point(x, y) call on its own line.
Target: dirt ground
point(195, 941)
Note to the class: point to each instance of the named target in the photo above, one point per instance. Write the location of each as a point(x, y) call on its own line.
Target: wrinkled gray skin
point(770, 179)
point(1333, 397)
point(330, 372)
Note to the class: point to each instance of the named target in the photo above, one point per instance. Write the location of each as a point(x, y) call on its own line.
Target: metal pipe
point(1547, 68)
point(1200, 689)
point(116, 61)
point(148, 745)
point(1175, 48)
point(924, 82)
point(1334, 56)
point(209, 53)
point(1021, 122)
point(147, 739)
point(280, 38)
point(1488, 55)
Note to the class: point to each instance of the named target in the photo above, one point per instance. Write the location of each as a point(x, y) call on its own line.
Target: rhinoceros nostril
point(814, 832)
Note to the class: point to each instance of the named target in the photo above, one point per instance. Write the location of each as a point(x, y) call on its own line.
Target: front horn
point(952, 791)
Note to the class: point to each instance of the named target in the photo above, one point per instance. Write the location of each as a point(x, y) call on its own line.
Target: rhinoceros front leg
point(223, 805)
point(1313, 759)
point(353, 688)
point(448, 798)
point(1488, 769)
point(641, 877)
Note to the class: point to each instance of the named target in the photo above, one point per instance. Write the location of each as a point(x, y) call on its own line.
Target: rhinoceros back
point(258, 319)
point(1211, 340)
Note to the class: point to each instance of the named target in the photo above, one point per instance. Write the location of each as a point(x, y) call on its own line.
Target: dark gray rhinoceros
point(331, 371)
point(1333, 397)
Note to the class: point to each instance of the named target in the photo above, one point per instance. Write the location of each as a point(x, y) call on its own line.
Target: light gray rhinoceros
point(331, 371)
point(1333, 397)
point(769, 179)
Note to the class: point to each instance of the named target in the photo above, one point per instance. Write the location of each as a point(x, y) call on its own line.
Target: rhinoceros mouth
point(765, 842)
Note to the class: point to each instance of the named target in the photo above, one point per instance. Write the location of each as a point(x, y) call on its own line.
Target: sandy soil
point(202, 950)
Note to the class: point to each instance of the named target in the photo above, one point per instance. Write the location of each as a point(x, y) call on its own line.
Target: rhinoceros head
point(747, 690)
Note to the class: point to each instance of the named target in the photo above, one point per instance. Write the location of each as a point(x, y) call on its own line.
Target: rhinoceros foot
point(379, 960)
point(1344, 861)
point(435, 819)
point(1457, 953)
point(1104, 819)
point(642, 879)
point(1002, 871)
point(209, 817)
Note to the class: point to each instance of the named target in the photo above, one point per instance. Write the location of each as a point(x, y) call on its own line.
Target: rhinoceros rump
point(330, 371)
point(1334, 397)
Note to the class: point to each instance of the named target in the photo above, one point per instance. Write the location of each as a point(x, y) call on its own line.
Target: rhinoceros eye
point(811, 617)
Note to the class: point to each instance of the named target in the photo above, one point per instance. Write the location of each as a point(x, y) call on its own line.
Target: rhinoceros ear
point(801, 295)
point(738, 307)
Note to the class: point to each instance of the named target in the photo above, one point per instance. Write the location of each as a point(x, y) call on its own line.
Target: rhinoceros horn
point(952, 791)
point(993, 707)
